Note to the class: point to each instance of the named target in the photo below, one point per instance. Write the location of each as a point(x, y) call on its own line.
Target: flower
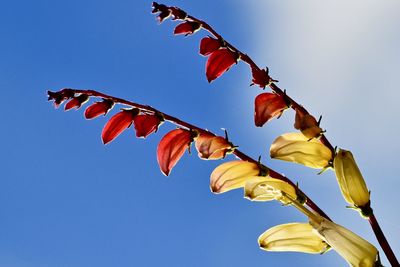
point(231, 175)
point(297, 237)
point(355, 250)
point(295, 147)
point(265, 188)
point(212, 147)
point(307, 124)
point(268, 106)
point(350, 179)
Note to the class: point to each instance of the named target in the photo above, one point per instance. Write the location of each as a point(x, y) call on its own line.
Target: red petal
point(219, 62)
point(209, 45)
point(73, 103)
point(76, 102)
point(260, 77)
point(117, 124)
point(268, 106)
point(212, 147)
point(146, 124)
point(188, 27)
point(171, 149)
point(97, 109)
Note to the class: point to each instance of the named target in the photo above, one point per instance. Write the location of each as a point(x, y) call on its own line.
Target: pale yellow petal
point(295, 147)
point(350, 179)
point(265, 188)
point(231, 175)
point(297, 237)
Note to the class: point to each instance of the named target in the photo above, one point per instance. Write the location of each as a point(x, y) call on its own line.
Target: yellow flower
point(262, 188)
point(350, 179)
point(231, 175)
point(295, 147)
point(355, 250)
point(298, 237)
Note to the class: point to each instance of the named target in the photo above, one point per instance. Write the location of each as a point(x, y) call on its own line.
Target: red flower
point(219, 62)
point(178, 13)
point(99, 108)
point(146, 124)
point(172, 147)
point(212, 147)
point(117, 124)
point(60, 96)
point(165, 12)
point(268, 106)
point(186, 28)
point(208, 45)
point(307, 124)
point(261, 77)
point(76, 102)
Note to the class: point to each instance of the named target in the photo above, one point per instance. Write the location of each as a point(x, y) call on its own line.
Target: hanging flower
point(350, 179)
point(307, 124)
point(268, 106)
point(98, 108)
point(297, 237)
point(208, 45)
point(265, 188)
point(295, 147)
point(186, 28)
point(117, 124)
point(355, 250)
point(219, 62)
point(212, 147)
point(231, 175)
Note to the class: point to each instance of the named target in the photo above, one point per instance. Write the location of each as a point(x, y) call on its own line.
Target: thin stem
point(383, 241)
point(189, 126)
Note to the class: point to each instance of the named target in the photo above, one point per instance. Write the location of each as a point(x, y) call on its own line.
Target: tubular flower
point(264, 188)
point(297, 237)
point(212, 147)
point(355, 250)
point(295, 147)
point(307, 124)
point(350, 179)
point(231, 175)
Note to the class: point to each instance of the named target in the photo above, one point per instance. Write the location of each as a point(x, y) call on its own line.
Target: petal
point(171, 148)
point(231, 175)
point(186, 28)
point(117, 124)
point(297, 237)
point(268, 106)
point(307, 124)
point(350, 179)
point(264, 188)
point(146, 124)
point(212, 147)
point(209, 45)
point(98, 108)
point(295, 147)
point(219, 62)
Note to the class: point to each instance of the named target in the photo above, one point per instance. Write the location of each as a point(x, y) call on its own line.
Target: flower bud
point(307, 124)
point(295, 147)
point(350, 180)
point(264, 188)
point(355, 250)
point(297, 237)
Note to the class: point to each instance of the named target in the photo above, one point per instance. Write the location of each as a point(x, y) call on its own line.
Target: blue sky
point(67, 200)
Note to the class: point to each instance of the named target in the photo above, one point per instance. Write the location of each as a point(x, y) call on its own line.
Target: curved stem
point(383, 241)
point(176, 121)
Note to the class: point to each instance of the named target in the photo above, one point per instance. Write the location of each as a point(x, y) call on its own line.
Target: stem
point(176, 121)
point(382, 241)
